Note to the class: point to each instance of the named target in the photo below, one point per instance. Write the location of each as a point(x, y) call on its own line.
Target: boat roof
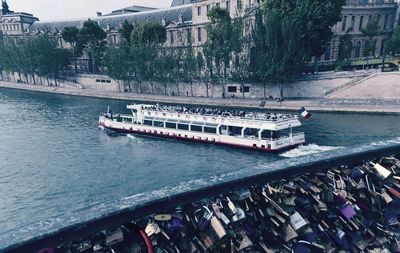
point(267, 121)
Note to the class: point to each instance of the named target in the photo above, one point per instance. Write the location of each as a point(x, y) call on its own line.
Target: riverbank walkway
point(380, 99)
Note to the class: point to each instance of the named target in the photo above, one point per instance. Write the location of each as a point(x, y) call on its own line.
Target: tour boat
point(257, 131)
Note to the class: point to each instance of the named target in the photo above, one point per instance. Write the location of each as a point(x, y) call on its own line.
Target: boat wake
point(101, 127)
point(134, 138)
point(304, 150)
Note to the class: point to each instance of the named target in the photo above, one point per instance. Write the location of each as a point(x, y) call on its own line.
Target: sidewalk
point(391, 106)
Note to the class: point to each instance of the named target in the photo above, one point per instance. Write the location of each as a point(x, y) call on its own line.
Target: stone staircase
point(355, 81)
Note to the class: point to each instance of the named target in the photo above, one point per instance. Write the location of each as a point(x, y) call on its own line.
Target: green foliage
point(393, 46)
point(91, 33)
point(30, 56)
point(149, 33)
point(313, 18)
point(126, 31)
point(92, 36)
point(279, 53)
point(72, 36)
point(120, 64)
point(220, 42)
point(345, 48)
point(371, 30)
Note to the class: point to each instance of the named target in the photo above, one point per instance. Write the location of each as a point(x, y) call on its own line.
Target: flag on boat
point(304, 113)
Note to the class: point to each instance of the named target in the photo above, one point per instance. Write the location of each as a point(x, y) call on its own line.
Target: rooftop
point(114, 21)
point(133, 8)
point(181, 2)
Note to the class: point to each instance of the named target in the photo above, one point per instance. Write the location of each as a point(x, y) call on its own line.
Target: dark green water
point(56, 166)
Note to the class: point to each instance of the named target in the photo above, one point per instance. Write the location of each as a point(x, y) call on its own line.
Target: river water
point(58, 167)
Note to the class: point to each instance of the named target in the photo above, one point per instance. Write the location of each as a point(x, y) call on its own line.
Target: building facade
point(14, 23)
point(356, 15)
point(185, 22)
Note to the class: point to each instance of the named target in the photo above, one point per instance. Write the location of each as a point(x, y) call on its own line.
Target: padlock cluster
point(345, 209)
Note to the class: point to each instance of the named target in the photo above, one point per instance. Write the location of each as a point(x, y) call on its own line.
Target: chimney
point(164, 21)
point(99, 14)
point(180, 19)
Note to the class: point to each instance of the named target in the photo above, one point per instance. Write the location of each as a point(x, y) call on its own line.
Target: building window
point(199, 34)
point(199, 11)
point(239, 4)
point(344, 23)
point(351, 28)
point(218, 5)
point(171, 37)
point(360, 26)
point(208, 8)
point(228, 5)
point(378, 19)
point(232, 89)
point(385, 25)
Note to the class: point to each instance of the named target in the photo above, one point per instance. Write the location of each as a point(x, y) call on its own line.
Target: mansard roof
point(181, 2)
point(115, 21)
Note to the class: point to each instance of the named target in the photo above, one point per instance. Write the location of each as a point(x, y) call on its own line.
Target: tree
point(279, 51)
point(314, 18)
point(120, 64)
point(371, 30)
point(345, 49)
point(219, 44)
point(93, 37)
point(126, 31)
point(146, 39)
point(393, 45)
point(149, 33)
point(241, 46)
point(189, 65)
point(71, 35)
point(165, 68)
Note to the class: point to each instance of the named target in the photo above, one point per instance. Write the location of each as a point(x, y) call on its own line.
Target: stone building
point(14, 23)
point(355, 16)
point(186, 19)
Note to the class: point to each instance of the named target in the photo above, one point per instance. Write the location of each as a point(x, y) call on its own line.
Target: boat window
point(147, 122)
point(251, 132)
point(266, 134)
point(196, 128)
point(234, 131)
point(224, 130)
point(211, 130)
point(170, 125)
point(158, 124)
point(183, 126)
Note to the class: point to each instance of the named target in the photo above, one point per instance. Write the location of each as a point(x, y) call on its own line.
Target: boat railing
point(254, 117)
